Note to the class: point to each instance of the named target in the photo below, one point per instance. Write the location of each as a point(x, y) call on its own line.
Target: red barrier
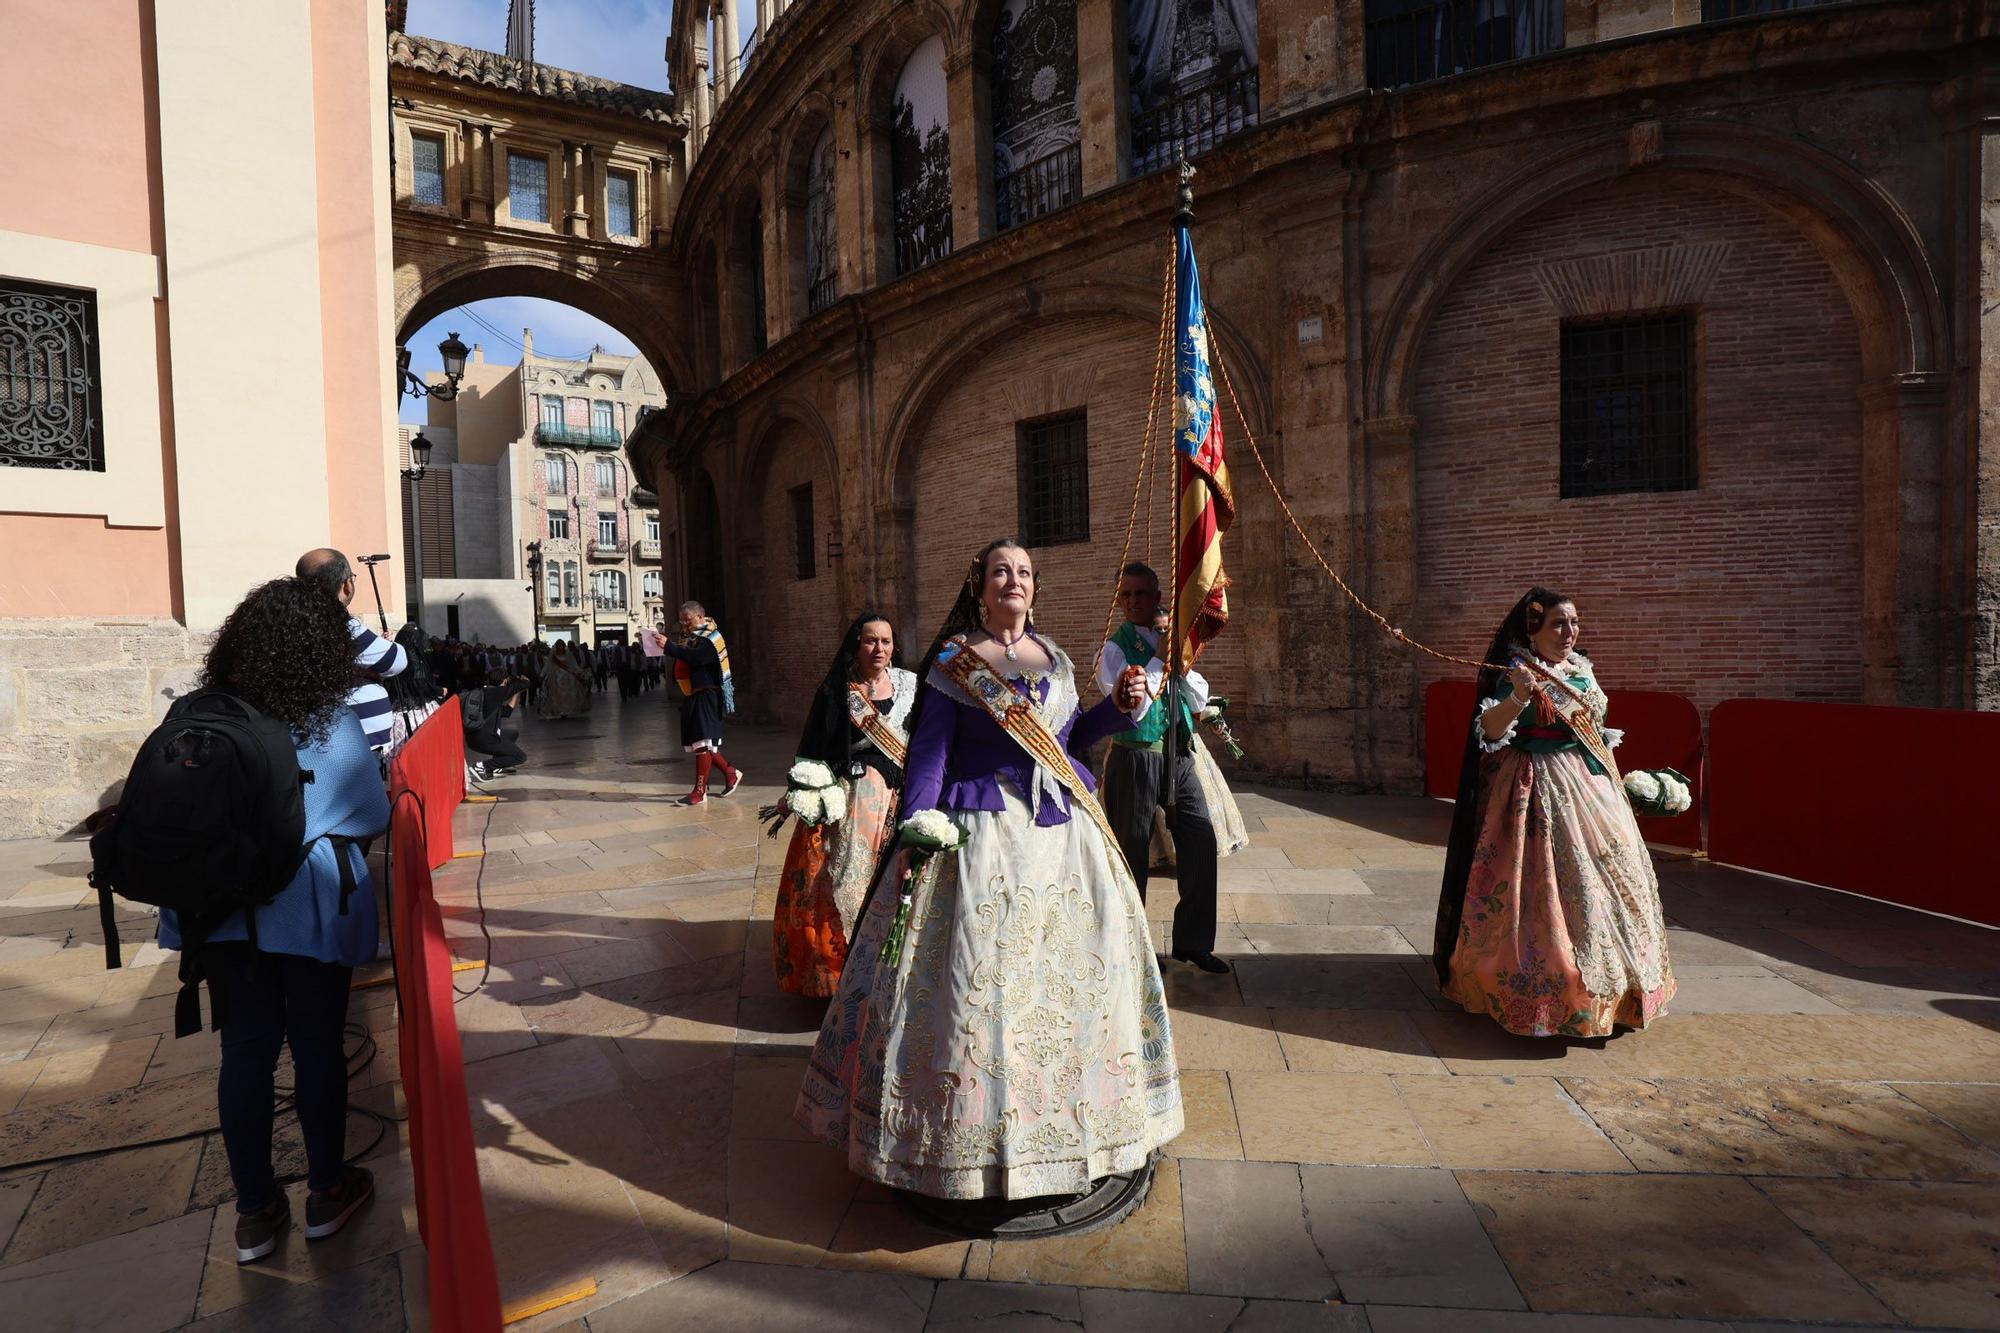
point(427, 777)
point(432, 764)
point(1661, 731)
point(1887, 802)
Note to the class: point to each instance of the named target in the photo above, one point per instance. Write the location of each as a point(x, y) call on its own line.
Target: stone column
point(1902, 539)
point(1983, 627)
point(659, 202)
point(477, 190)
point(729, 44)
point(581, 160)
point(860, 195)
point(1390, 708)
point(970, 125)
point(1103, 104)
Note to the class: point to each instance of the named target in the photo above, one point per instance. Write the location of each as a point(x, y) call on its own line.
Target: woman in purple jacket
point(1000, 1030)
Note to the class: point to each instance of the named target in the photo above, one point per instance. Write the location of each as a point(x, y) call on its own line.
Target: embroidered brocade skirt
point(1563, 933)
point(564, 695)
point(827, 871)
point(1020, 1045)
point(1223, 815)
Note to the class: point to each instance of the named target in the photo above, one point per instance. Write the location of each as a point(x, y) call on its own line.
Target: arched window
point(1192, 77)
point(609, 587)
point(822, 253)
point(1037, 153)
point(920, 160)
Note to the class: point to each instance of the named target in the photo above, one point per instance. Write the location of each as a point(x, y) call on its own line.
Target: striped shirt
point(370, 701)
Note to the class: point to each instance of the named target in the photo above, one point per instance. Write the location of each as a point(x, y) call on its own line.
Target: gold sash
point(1560, 698)
point(888, 738)
point(1016, 716)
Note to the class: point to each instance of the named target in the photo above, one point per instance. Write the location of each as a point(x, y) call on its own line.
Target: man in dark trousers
point(1135, 769)
point(708, 694)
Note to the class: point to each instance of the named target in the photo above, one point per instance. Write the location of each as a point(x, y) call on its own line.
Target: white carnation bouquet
point(1658, 792)
point(924, 834)
point(813, 794)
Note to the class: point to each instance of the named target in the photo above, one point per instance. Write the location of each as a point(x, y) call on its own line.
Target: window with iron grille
point(601, 421)
point(559, 524)
point(822, 260)
point(1414, 41)
point(51, 413)
point(621, 194)
point(805, 563)
point(1037, 160)
point(427, 169)
point(1191, 77)
point(607, 529)
point(552, 410)
point(1628, 405)
point(1053, 465)
point(528, 187)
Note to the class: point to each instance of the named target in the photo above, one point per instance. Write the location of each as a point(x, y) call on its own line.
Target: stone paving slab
point(1812, 1132)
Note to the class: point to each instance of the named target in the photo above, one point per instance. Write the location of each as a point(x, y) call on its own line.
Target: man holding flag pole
point(1152, 767)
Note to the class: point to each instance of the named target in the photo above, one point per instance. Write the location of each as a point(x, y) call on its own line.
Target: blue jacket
point(346, 796)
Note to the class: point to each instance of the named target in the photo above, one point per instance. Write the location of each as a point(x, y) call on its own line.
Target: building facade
point(531, 522)
point(1683, 309)
point(204, 233)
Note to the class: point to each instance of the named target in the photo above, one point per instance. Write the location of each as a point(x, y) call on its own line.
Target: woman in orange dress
point(1549, 920)
point(843, 790)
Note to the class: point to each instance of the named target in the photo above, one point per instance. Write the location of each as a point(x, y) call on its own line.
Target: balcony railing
point(1038, 187)
point(1415, 41)
point(823, 291)
point(606, 551)
point(608, 602)
point(645, 549)
point(1192, 120)
point(577, 437)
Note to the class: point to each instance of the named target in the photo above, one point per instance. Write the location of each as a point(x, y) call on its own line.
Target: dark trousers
point(628, 684)
point(498, 748)
point(283, 1000)
point(1131, 796)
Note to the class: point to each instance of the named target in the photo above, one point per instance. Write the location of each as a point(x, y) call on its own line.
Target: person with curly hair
point(286, 650)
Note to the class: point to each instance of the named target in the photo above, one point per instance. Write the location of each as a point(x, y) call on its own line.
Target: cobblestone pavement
point(1812, 1135)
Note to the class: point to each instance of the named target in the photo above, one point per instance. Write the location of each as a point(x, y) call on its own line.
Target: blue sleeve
point(347, 795)
point(930, 753)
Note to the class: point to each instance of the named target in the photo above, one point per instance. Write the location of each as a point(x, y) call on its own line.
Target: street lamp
point(535, 587)
point(420, 459)
point(452, 352)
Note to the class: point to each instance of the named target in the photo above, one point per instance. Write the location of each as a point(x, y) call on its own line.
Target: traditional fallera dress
point(1015, 1043)
point(830, 864)
point(564, 691)
point(1560, 931)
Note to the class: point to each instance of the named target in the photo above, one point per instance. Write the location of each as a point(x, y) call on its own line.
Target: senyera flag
point(1205, 506)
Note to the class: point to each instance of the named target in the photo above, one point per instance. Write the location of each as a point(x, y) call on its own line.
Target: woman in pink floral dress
point(1549, 920)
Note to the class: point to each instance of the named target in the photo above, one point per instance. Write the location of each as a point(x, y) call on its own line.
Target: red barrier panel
point(451, 1211)
point(432, 764)
point(1887, 802)
point(1661, 731)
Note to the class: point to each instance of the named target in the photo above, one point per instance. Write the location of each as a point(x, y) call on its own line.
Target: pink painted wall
point(85, 171)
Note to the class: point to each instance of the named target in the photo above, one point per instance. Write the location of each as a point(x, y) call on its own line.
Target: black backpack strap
point(187, 1003)
point(107, 915)
point(348, 884)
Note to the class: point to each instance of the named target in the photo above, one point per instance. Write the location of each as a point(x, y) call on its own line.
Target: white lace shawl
point(903, 697)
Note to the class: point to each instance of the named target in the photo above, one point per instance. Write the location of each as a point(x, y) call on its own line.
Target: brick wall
point(966, 483)
point(802, 619)
point(1750, 585)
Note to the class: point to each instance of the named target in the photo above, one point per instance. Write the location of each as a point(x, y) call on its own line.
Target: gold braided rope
point(1381, 620)
point(1143, 480)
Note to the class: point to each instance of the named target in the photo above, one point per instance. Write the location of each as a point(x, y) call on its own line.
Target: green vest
point(1152, 728)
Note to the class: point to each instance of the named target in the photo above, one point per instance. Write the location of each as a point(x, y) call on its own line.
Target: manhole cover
point(1107, 1203)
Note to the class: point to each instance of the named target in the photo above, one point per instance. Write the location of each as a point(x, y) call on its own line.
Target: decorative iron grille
point(1415, 41)
point(822, 252)
point(1628, 405)
point(621, 203)
point(920, 166)
point(805, 560)
point(527, 187)
point(51, 406)
point(1053, 182)
point(1053, 467)
point(427, 169)
point(1192, 119)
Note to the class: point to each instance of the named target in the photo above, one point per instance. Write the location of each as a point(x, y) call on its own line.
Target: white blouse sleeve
point(1479, 729)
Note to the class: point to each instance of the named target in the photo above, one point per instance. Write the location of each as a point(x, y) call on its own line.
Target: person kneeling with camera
point(488, 732)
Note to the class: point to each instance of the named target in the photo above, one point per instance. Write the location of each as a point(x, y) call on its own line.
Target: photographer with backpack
point(246, 819)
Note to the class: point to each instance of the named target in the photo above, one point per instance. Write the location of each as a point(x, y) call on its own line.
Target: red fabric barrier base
point(1661, 731)
point(1887, 802)
point(432, 764)
point(451, 1210)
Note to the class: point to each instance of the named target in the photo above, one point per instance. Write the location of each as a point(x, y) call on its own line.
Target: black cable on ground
point(479, 903)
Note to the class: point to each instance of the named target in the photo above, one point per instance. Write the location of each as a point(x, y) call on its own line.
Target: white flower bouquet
point(932, 831)
point(813, 794)
point(1658, 792)
point(924, 834)
point(810, 773)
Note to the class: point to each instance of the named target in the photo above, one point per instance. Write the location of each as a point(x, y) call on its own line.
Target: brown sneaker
point(258, 1233)
point(327, 1211)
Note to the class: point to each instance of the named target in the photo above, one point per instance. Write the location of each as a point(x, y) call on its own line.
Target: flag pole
point(1170, 697)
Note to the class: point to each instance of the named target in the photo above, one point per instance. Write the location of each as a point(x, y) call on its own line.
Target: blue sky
point(615, 39)
point(559, 331)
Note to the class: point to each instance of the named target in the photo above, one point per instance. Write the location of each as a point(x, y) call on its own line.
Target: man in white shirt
point(1135, 770)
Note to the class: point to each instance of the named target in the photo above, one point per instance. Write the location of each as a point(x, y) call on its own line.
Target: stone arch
point(882, 64)
point(1881, 265)
point(811, 118)
point(432, 292)
point(1867, 238)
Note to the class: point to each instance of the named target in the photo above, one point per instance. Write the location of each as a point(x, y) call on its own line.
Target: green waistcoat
point(1152, 727)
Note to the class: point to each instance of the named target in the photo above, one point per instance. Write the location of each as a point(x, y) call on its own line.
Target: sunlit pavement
point(1810, 1135)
